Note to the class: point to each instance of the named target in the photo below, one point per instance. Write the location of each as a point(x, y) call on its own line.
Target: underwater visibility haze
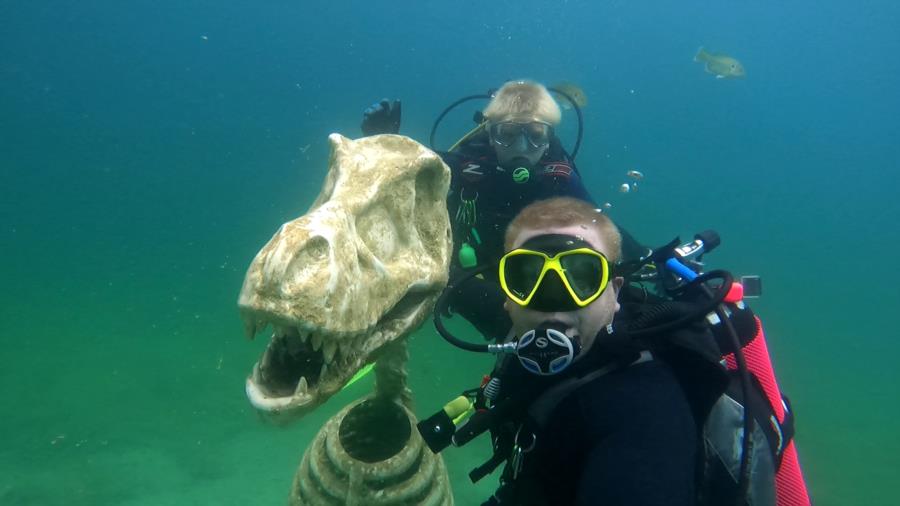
point(148, 150)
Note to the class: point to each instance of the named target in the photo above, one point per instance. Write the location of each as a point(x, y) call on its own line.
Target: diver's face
point(516, 149)
point(584, 322)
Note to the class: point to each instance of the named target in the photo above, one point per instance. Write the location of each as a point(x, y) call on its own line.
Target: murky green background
point(149, 149)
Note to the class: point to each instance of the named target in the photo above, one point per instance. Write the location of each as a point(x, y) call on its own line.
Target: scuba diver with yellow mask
point(606, 395)
point(509, 160)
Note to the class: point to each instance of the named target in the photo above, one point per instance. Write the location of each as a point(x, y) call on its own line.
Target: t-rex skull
point(359, 271)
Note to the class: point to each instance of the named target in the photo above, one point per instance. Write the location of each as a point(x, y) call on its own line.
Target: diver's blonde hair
point(564, 212)
point(523, 100)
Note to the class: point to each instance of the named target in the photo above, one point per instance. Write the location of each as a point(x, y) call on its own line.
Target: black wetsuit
point(628, 436)
point(498, 197)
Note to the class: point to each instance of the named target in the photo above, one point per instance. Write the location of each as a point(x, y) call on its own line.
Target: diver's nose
point(521, 145)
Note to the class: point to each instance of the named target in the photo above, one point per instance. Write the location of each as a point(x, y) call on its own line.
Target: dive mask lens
point(521, 273)
point(584, 273)
point(507, 133)
point(538, 134)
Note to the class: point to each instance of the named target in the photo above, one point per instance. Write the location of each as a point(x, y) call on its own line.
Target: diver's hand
point(381, 118)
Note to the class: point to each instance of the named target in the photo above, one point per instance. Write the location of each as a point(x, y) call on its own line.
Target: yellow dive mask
point(554, 273)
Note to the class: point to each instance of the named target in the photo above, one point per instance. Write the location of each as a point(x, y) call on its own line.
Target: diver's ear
point(616, 285)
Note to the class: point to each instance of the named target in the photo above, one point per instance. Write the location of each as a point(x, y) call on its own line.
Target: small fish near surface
point(720, 65)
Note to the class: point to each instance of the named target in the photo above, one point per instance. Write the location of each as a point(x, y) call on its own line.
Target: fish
point(574, 92)
point(635, 174)
point(721, 65)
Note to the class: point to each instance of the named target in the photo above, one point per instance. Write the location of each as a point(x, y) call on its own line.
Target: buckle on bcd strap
point(519, 451)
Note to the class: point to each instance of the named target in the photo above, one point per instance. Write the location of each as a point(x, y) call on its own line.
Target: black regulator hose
point(716, 298)
point(446, 110)
point(747, 443)
point(577, 109)
point(741, 363)
point(442, 307)
point(639, 326)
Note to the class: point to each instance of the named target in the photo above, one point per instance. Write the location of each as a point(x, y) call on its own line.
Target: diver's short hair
point(564, 212)
point(523, 100)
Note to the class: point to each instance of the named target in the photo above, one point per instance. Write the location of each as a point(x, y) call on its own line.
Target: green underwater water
point(124, 365)
point(142, 167)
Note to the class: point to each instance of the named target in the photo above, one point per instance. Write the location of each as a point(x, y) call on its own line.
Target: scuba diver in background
point(606, 396)
point(512, 158)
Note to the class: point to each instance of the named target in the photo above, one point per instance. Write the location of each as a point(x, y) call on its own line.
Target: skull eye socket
point(308, 261)
point(317, 249)
point(377, 232)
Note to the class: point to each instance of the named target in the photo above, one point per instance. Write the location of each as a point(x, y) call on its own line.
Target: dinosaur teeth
point(316, 341)
point(304, 336)
point(323, 371)
point(350, 349)
point(328, 350)
point(302, 387)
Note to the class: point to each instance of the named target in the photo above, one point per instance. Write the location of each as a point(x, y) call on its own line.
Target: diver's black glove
point(381, 118)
